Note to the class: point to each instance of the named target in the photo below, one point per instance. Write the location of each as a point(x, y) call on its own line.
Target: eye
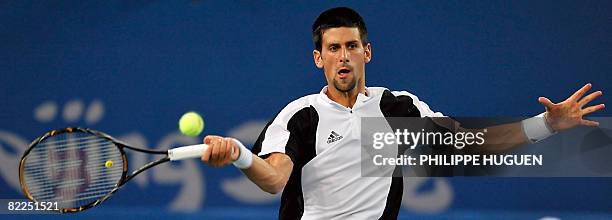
point(333, 48)
point(352, 46)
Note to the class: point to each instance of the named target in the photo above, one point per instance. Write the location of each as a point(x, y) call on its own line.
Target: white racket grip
point(187, 152)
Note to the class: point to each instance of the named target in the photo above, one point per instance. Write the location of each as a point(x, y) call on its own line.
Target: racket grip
point(187, 152)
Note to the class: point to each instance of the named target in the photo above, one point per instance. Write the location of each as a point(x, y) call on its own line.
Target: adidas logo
point(333, 137)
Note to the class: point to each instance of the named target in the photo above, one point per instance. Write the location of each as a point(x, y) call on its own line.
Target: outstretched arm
point(558, 117)
point(270, 174)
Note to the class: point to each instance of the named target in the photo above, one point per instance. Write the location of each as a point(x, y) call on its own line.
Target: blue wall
point(132, 68)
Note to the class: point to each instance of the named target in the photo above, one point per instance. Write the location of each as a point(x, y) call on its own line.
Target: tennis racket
point(79, 168)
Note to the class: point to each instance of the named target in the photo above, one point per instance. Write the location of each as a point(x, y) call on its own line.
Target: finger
point(215, 150)
point(589, 98)
point(589, 123)
point(206, 155)
point(578, 94)
point(546, 102)
point(591, 109)
point(223, 151)
point(228, 149)
point(210, 138)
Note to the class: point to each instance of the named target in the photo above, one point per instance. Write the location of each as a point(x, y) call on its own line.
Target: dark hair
point(338, 17)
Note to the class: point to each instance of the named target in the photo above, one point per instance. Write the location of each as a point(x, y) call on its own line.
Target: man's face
point(343, 58)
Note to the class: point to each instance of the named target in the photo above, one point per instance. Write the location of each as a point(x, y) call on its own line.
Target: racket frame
point(119, 144)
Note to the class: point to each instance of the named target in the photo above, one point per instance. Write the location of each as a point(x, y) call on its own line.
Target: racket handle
point(187, 152)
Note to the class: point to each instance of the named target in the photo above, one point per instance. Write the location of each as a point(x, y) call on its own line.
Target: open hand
point(569, 113)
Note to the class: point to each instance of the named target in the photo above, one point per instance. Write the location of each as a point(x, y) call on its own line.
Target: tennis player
point(310, 150)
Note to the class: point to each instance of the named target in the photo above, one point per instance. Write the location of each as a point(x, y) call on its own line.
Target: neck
point(346, 99)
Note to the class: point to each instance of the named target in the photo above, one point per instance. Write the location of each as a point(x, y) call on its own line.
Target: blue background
point(150, 61)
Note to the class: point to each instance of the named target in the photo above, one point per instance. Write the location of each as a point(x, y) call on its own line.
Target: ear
point(368, 53)
point(316, 55)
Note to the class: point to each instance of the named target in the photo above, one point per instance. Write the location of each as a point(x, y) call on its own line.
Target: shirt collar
point(360, 97)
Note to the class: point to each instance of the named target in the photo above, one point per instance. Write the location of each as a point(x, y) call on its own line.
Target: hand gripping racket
point(79, 168)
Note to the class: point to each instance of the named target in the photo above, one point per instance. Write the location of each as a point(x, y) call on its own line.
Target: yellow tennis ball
point(108, 164)
point(191, 124)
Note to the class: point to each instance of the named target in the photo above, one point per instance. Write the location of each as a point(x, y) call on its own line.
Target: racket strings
point(65, 164)
point(73, 140)
point(73, 169)
point(70, 146)
point(43, 173)
point(94, 191)
point(38, 188)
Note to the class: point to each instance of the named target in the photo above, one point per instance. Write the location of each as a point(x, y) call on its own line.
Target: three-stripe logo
point(333, 137)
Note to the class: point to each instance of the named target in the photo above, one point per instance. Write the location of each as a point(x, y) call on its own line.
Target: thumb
point(546, 102)
point(235, 151)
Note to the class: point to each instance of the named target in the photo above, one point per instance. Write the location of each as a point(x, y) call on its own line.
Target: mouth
point(344, 72)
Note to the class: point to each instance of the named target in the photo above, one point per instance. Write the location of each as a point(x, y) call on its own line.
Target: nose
point(344, 58)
